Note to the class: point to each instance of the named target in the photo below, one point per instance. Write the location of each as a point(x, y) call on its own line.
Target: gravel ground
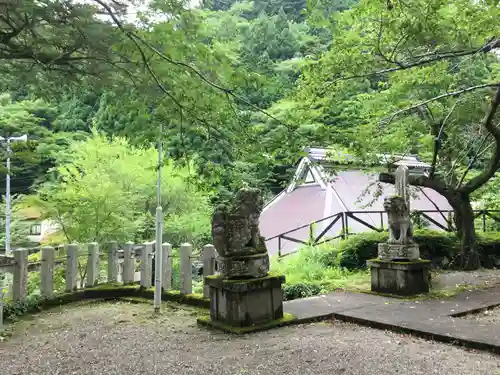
point(487, 316)
point(124, 339)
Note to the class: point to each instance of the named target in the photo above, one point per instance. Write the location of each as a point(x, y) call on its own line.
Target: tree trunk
point(466, 232)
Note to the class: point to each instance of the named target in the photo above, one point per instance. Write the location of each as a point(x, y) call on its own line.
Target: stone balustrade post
point(208, 255)
point(167, 266)
point(112, 262)
point(128, 263)
point(186, 270)
point(20, 279)
point(72, 267)
point(147, 265)
point(92, 264)
point(48, 258)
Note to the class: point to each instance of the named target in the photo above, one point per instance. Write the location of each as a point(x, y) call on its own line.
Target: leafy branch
point(424, 60)
point(389, 119)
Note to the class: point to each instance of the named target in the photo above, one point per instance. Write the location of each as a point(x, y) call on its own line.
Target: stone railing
point(122, 264)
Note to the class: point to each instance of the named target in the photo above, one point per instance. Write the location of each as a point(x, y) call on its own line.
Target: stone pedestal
point(245, 302)
point(404, 278)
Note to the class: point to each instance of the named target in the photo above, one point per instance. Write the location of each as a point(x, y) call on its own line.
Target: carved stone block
point(388, 251)
point(244, 266)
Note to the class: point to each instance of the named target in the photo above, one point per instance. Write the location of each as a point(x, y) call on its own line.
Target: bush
point(489, 249)
point(35, 257)
point(356, 250)
point(434, 245)
point(14, 310)
point(438, 246)
point(300, 290)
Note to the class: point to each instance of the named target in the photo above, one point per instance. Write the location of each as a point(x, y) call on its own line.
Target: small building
point(341, 198)
point(38, 228)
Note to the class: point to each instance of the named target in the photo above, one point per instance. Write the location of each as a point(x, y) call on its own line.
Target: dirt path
point(124, 339)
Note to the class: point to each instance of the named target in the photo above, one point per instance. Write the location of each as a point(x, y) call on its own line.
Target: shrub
point(438, 246)
point(356, 250)
point(14, 310)
point(35, 257)
point(300, 290)
point(489, 249)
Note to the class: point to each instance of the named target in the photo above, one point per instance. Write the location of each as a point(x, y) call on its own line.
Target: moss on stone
point(109, 291)
point(270, 275)
point(418, 261)
point(286, 320)
point(197, 296)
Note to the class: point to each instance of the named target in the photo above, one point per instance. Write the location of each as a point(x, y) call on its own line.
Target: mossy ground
point(111, 291)
point(286, 320)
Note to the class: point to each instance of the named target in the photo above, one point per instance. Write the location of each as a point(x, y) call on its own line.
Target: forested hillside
point(241, 87)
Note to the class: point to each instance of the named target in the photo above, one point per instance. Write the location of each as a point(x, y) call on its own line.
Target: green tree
point(105, 190)
point(29, 160)
point(429, 85)
point(19, 226)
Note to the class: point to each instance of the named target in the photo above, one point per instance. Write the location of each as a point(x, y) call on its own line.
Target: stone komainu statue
point(400, 231)
point(235, 227)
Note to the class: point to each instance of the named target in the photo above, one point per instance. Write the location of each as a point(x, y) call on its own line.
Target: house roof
point(317, 192)
point(30, 213)
point(322, 155)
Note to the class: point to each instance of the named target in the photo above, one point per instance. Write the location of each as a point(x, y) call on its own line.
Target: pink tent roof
point(301, 204)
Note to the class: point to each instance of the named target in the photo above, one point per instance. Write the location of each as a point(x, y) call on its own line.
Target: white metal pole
point(23, 138)
point(159, 229)
point(7, 203)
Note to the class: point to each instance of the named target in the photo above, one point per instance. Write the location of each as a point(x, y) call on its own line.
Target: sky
point(133, 10)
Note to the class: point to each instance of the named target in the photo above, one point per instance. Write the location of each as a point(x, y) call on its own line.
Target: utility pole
point(159, 228)
point(22, 138)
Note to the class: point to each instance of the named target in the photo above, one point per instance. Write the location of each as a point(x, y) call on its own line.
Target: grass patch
point(313, 268)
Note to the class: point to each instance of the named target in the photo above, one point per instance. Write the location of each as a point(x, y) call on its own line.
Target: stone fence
point(122, 262)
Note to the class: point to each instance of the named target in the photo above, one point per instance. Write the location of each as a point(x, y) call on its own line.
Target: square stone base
point(245, 302)
point(399, 278)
